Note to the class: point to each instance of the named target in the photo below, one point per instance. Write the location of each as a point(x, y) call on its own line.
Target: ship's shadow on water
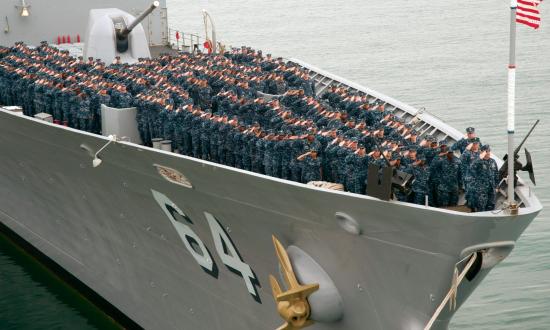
point(32, 297)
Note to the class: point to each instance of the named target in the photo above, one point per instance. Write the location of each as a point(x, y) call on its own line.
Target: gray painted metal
point(103, 225)
point(140, 18)
point(102, 42)
point(52, 18)
point(120, 122)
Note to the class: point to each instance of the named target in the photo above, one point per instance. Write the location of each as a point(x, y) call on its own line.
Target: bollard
point(166, 145)
point(156, 143)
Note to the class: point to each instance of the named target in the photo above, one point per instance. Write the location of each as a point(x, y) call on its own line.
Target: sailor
point(450, 179)
point(277, 156)
point(269, 153)
point(74, 108)
point(223, 133)
point(339, 163)
point(377, 158)
point(464, 142)
point(48, 97)
point(297, 145)
point(256, 155)
point(214, 139)
point(395, 163)
point(409, 155)
point(330, 157)
point(204, 95)
point(311, 168)
point(420, 183)
point(435, 174)
point(238, 146)
point(103, 98)
point(468, 157)
point(205, 136)
point(83, 115)
point(431, 149)
point(66, 96)
point(247, 150)
point(229, 145)
point(485, 177)
point(125, 98)
point(196, 124)
point(286, 149)
point(356, 171)
point(57, 107)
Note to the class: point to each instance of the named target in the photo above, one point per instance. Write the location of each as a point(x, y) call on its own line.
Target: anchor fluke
point(529, 167)
point(292, 304)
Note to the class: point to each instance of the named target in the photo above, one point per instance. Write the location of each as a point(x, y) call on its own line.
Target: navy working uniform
point(461, 144)
point(450, 179)
point(421, 174)
point(485, 176)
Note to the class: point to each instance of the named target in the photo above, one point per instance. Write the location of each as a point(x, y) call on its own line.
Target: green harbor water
point(32, 297)
point(447, 56)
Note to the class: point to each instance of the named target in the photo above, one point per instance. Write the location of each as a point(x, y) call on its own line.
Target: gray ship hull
point(105, 226)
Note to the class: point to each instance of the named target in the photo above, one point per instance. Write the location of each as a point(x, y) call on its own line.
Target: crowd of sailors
point(252, 112)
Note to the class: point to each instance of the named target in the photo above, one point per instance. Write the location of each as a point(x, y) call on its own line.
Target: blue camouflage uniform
point(467, 159)
point(205, 139)
point(461, 144)
point(196, 136)
point(419, 187)
point(311, 169)
point(356, 173)
point(295, 164)
point(485, 176)
point(83, 114)
point(450, 180)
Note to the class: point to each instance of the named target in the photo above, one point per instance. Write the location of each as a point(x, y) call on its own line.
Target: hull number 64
point(225, 248)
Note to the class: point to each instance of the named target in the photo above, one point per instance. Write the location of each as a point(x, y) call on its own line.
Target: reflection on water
point(31, 297)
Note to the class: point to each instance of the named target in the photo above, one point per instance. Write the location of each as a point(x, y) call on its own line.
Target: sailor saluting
point(485, 179)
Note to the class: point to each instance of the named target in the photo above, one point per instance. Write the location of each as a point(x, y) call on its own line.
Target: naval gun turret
point(123, 30)
point(115, 33)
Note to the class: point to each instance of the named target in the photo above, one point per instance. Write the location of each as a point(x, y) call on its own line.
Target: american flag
point(528, 13)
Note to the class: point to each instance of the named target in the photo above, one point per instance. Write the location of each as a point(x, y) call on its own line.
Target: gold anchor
point(292, 304)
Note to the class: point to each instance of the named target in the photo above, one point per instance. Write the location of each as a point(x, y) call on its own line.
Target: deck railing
point(188, 42)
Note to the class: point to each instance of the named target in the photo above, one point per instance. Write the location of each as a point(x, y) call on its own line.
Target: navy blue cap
point(470, 130)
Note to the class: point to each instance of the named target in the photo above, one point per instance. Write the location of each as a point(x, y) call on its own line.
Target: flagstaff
point(512, 104)
point(528, 14)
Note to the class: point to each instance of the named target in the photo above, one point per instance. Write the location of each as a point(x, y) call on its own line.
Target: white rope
point(452, 291)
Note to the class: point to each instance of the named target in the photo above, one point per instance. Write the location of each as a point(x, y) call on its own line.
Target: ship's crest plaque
point(173, 176)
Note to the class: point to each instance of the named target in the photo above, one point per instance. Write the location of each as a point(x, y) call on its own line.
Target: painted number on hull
point(230, 256)
point(225, 248)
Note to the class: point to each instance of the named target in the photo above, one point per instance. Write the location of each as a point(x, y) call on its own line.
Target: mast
point(512, 104)
point(207, 18)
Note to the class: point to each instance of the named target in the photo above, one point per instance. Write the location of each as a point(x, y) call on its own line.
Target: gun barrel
point(526, 137)
point(140, 18)
point(503, 169)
